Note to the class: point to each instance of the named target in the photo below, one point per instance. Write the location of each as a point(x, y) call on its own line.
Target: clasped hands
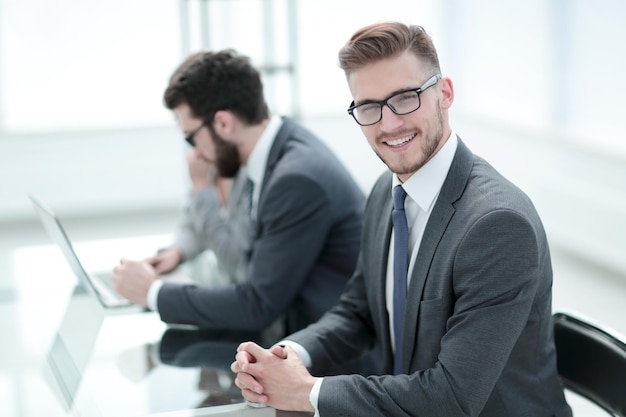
point(276, 377)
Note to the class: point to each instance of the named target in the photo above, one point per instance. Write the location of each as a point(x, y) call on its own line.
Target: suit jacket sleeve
point(293, 218)
point(495, 280)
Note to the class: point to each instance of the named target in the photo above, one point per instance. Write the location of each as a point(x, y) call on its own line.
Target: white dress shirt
point(257, 162)
point(422, 190)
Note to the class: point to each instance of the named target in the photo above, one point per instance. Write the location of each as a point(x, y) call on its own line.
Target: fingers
point(247, 382)
point(259, 371)
point(124, 265)
point(242, 362)
point(249, 353)
point(118, 269)
point(253, 397)
point(153, 260)
point(162, 266)
point(251, 390)
point(279, 351)
point(252, 349)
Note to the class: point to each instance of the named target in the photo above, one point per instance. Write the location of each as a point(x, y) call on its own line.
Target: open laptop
point(99, 283)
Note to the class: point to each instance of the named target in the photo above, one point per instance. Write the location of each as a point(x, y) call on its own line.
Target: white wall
point(92, 173)
point(580, 193)
point(535, 94)
point(579, 190)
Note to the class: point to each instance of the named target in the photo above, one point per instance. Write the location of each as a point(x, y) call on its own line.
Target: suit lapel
point(276, 152)
point(440, 217)
point(383, 238)
point(432, 235)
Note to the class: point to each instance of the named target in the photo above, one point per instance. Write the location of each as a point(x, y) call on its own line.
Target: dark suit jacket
point(478, 336)
point(304, 251)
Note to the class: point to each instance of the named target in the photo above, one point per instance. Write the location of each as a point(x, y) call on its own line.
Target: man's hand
point(201, 172)
point(275, 376)
point(165, 261)
point(132, 280)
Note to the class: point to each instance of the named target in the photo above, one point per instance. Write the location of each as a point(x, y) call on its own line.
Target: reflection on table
point(64, 354)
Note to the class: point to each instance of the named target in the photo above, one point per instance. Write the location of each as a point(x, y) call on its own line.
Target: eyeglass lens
point(401, 103)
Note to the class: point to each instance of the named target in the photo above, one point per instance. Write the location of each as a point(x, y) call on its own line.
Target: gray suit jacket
point(304, 249)
point(478, 337)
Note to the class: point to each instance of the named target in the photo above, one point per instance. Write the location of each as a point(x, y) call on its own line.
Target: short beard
point(227, 160)
point(429, 146)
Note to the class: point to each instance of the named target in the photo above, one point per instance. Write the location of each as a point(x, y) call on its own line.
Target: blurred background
point(539, 93)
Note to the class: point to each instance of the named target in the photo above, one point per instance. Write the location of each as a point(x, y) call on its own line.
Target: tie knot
point(399, 195)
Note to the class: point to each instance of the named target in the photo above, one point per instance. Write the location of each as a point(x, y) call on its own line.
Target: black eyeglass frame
point(419, 90)
point(189, 138)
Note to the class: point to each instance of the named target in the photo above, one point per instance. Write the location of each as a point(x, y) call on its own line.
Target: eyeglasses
point(404, 102)
point(189, 138)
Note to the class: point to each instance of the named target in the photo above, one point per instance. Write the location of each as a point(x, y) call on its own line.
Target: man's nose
point(389, 121)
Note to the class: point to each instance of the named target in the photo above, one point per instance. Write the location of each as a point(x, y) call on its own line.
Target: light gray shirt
point(206, 226)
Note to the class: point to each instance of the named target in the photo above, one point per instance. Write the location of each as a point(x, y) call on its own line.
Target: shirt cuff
point(153, 294)
point(314, 395)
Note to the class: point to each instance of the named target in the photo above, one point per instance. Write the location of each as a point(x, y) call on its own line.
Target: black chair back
point(591, 362)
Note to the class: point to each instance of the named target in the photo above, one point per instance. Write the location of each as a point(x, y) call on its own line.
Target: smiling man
point(454, 275)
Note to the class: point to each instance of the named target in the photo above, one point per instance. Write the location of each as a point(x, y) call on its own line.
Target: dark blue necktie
point(400, 269)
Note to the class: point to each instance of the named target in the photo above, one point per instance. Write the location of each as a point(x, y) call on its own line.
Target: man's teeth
point(399, 141)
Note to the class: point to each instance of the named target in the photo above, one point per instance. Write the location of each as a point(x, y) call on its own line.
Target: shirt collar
point(424, 185)
point(260, 153)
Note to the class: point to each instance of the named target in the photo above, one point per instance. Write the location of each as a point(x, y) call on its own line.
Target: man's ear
point(224, 122)
point(447, 93)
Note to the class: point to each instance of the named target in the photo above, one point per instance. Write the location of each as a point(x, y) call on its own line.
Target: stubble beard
point(428, 145)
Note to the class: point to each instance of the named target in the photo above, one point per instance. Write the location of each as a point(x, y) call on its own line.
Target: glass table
point(63, 354)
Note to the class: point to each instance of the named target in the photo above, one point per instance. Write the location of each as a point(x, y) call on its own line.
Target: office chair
point(591, 362)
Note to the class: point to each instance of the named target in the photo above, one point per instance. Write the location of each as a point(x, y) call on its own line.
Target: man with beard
point(454, 278)
point(305, 209)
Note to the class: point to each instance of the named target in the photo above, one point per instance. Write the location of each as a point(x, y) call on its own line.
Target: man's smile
point(397, 142)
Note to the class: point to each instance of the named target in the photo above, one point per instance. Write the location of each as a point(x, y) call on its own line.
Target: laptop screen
point(56, 232)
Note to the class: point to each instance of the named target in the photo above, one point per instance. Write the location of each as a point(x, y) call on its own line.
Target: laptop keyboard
point(106, 278)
